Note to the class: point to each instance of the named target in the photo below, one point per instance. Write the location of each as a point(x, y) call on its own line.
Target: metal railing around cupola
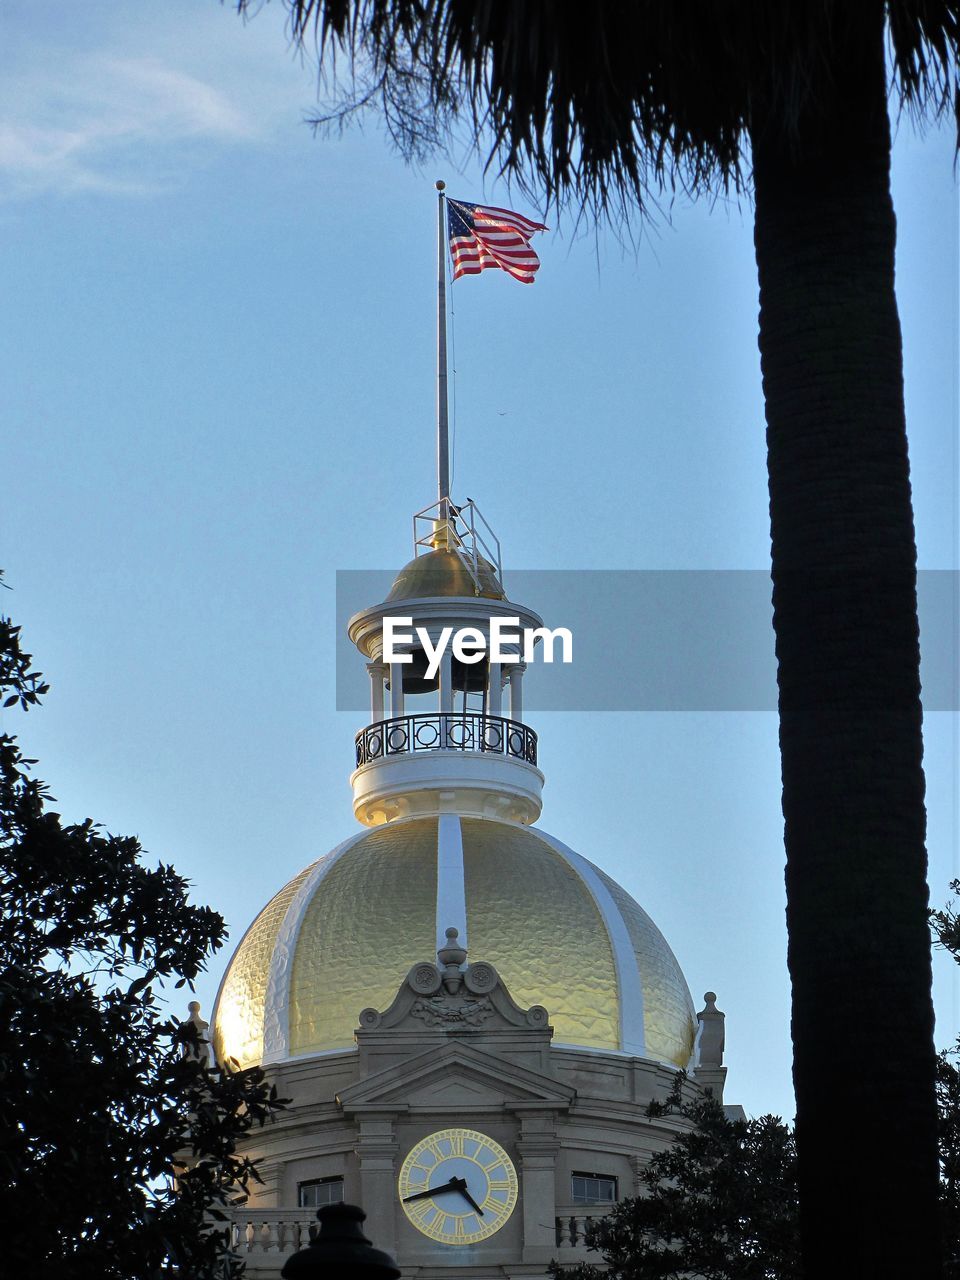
point(446, 731)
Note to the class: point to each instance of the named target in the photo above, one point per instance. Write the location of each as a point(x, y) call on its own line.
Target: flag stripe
point(489, 213)
point(483, 236)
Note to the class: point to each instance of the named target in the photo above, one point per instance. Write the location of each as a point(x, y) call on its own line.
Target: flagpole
point(443, 433)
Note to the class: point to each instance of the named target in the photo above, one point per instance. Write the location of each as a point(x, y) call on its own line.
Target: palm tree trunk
point(844, 575)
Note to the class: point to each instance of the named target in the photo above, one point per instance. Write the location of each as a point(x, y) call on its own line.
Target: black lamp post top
point(340, 1249)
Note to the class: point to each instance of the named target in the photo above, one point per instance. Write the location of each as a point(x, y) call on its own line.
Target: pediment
point(435, 999)
point(456, 1075)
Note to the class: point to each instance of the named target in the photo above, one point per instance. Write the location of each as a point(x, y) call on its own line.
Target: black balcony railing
point(446, 731)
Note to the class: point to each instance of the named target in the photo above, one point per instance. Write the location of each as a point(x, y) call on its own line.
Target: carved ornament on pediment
point(441, 1011)
point(453, 995)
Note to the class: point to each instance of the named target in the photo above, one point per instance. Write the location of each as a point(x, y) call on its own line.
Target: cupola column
point(446, 748)
point(446, 682)
point(516, 692)
point(396, 689)
point(377, 672)
point(495, 691)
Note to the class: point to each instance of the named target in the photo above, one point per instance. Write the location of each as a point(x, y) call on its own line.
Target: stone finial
point(452, 952)
point(710, 1038)
point(200, 1050)
point(451, 956)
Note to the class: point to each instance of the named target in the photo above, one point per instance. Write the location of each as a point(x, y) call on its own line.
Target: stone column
point(495, 695)
point(396, 689)
point(537, 1148)
point(377, 1152)
point(446, 682)
point(495, 706)
point(516, 692)
point(377, 671)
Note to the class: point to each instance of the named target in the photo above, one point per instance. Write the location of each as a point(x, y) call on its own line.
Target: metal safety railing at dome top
point(446, 731)
point(462, 529)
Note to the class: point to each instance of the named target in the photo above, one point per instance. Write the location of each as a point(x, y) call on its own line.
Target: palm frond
point(621, 100)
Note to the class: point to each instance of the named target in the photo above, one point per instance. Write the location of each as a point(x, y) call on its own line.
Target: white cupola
point(455, 741)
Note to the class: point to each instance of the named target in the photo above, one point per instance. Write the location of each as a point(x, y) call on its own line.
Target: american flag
point(482, 236)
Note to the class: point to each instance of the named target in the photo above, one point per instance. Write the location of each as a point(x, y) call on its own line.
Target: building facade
point(468, 1016)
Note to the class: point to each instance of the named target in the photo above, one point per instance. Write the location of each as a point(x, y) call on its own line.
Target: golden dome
point(342, 934)
point(443, 573)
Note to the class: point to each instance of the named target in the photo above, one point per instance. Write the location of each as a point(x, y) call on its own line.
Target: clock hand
point(452, 1185)
point(462, 1188)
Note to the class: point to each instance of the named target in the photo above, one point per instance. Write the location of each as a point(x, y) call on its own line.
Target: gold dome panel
point(241, 1001)
point(669, 1018)
point(376, 907)
point(531, 914)
point(443, 573)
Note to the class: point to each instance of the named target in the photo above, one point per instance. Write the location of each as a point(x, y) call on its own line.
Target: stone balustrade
point(572, 1225)
point(276, 1233)
point(260, 1232)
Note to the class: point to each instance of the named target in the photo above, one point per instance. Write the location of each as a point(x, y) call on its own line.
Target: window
point(593, 1188)
point(314, 1195)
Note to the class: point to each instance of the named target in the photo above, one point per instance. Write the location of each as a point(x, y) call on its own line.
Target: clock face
point(458, 1186)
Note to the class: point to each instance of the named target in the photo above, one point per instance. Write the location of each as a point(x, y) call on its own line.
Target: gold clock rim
point(476, 1135)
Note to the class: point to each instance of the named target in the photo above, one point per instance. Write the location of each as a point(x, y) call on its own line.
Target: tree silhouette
point(118, 1146)
point(720, 1203)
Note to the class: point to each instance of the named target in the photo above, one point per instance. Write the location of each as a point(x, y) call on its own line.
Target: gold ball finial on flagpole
point(441, 185)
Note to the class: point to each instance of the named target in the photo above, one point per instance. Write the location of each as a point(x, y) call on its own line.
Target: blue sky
point(217, 352)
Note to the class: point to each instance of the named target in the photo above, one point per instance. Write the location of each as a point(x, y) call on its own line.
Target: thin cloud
point(110, 124)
